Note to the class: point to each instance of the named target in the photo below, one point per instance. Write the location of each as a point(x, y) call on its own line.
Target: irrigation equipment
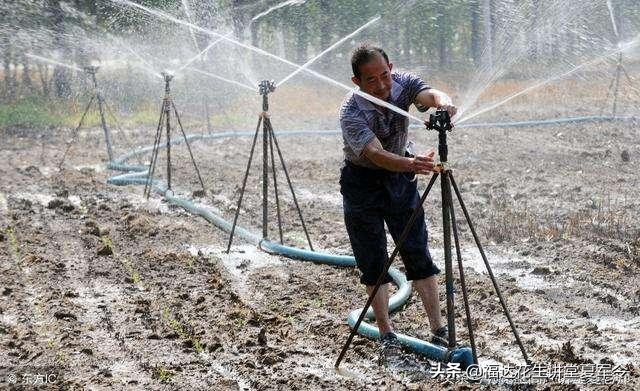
point(268, 141)
point(614, 86)
point(441, 123)
point(164, 123)
point(96, 97)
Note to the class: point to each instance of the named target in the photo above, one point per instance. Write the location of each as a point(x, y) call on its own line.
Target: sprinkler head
point(266, 86)
point(168, 76)
point(91, 69)
point(440, 121)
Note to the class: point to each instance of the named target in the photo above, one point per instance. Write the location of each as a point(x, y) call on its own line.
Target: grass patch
point(163, 374)
point(179, 329)
point(13, 243)
point(36, 112)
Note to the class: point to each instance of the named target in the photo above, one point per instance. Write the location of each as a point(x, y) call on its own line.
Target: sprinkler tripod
point(441, 122)
point(268, 141)
point(165, 114)
point(97, 97)
point(614, 86)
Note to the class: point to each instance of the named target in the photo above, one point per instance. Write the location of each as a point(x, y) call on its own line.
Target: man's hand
point(438, 99)
point(422, 164)
point(451, 109)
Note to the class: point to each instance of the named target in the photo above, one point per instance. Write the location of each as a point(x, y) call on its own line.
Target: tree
point(488, 33)
point(474, 11)
point(61, 77)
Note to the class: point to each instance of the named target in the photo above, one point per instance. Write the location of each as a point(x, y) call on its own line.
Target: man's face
point(375, 78)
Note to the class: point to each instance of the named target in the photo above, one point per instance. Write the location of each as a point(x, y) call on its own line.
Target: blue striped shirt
point(361, 120)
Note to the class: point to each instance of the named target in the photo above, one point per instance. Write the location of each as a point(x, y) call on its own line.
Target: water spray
point(245, 86)
point(265, 87)
point(338, 43)
point(147, 67)
point(53, 62)
point(621, 48)
point(166, 108)
point(327, 79)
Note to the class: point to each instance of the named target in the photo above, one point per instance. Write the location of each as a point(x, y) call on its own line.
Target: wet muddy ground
point(111, 291)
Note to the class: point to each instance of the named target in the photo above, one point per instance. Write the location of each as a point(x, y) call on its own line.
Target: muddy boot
point(441, 337)
point(390, 350)
point(393, 358)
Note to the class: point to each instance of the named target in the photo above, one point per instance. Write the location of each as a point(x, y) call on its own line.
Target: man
point(377, 187)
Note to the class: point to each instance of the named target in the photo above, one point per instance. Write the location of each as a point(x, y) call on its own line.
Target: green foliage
point(13, 242)
point(179, 329)
point(163, 374)
point(29, 113)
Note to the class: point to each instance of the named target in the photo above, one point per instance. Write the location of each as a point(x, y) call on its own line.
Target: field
point(109, 290)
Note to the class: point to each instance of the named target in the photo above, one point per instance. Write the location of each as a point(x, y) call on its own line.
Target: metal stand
point(268, 141)
point(441, 123)
point(165, 114)
point(97, 97)
point(614, 86)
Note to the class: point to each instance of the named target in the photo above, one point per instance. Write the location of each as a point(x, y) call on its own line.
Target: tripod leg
point(387, 265)
point(448, 262)
point(107, 132)
point(154, 153)
point(244, 184)
point(74, 135)
point(630, 81)
point(167, 114)
point(188, 146)
point(463, 283)
point(606, 99)
point(207, 115)
point(286, 174)
point(275, 186)
point(615, 93)
point(130, 144)
point(491, 276)
point(265, 178)
point(154, 160)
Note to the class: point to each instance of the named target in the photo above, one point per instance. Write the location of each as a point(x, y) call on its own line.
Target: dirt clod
point(55, 203)
point(625, 156)
point(104, 250)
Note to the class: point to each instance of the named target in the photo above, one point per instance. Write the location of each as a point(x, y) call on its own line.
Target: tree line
point(445, 34)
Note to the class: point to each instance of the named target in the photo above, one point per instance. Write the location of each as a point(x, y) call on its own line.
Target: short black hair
point(364, 53)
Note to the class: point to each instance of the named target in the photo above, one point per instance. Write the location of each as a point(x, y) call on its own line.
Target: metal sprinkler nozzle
point(440, 121)
point(266, 86)
point(91, 69)
point(168, 76)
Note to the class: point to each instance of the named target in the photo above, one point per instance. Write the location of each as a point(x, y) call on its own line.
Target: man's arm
point(392, 162)
point(436, 98)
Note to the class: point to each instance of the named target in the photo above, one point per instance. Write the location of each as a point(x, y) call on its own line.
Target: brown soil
point(115, 292)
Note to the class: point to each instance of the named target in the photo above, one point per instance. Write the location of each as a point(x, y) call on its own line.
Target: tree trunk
point(443, 39)
point(27, 83)
point(474, 7)
point(61, 79)
point(534, 35)
point(488, 34)
point(43, 73)
point(302, 39)
point(239, 18)
point(406, 44)
point(325, 31)
point(9, 80)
